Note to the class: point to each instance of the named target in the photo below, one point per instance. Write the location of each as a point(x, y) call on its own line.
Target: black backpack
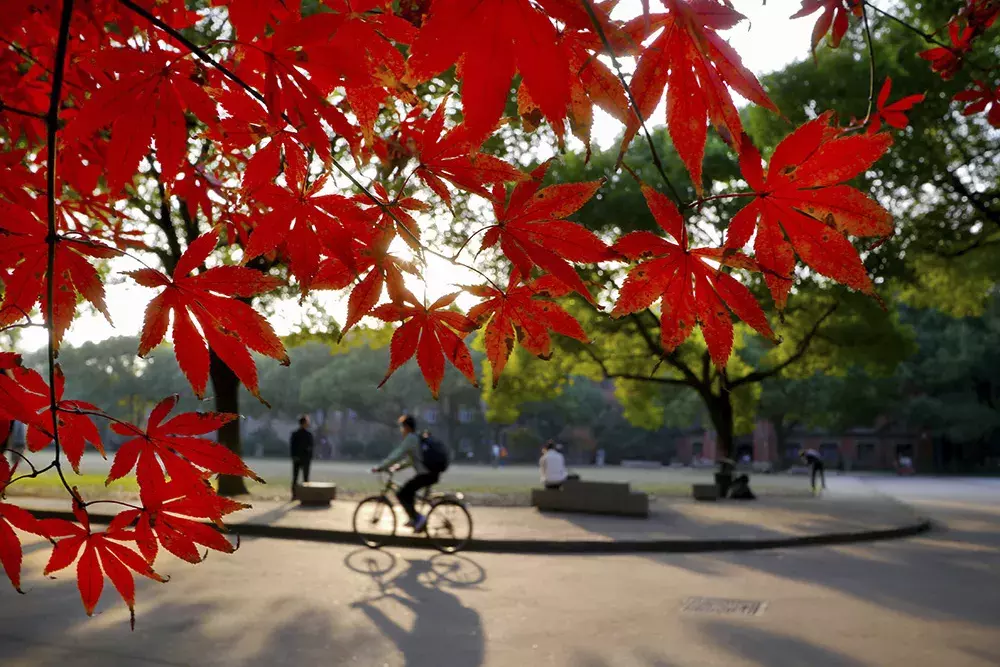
point(434, 454)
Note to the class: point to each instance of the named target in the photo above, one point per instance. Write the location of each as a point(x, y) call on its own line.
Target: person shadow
point(444, 631)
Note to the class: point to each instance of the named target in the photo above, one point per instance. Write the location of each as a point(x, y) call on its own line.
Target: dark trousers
point(303, 465)
point(818, 469)
point(408, 493)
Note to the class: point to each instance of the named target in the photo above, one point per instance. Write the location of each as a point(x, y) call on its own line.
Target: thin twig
point(631, 98)
point(52, 122)
point(871, 64)
point(34, 473)
point(113, 502)
point(21, 112)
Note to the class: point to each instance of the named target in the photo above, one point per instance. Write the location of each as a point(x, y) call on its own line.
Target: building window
point(352, 415)
point(430, 415)
point(866, 452)
point(465, 445)
point(792, 451)
point(697, 450)
point(465, 414)
point(830, 451)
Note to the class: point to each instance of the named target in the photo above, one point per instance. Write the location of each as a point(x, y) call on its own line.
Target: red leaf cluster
point(241, 165)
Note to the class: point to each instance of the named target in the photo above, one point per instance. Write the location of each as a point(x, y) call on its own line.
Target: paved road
point(926, 601)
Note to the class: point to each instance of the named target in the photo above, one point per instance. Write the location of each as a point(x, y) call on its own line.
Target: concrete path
point(910, 603)
point(849, 506)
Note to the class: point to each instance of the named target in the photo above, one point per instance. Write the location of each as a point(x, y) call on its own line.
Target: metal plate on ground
point(724, 606)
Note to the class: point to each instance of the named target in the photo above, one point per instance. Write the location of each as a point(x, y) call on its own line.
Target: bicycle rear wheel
point(449, 526)
point(374, 521)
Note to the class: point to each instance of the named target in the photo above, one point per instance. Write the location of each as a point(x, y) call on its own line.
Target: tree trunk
point(227, 399)
point(720, 409)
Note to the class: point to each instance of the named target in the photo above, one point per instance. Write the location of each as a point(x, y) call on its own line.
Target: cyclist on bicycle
point(408, 453)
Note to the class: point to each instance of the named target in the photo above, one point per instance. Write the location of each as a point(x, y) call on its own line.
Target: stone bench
point(592, 498)
point(315, 494)
point(704, 491)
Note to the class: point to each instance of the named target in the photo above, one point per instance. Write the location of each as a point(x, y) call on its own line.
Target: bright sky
point(767, 42)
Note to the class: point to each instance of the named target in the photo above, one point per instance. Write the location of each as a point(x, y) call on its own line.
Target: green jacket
point(409, 448)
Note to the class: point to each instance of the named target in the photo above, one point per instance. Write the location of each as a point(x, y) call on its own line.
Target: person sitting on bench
point(552, 466)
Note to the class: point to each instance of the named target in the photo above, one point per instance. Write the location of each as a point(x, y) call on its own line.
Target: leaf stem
point(871, 64)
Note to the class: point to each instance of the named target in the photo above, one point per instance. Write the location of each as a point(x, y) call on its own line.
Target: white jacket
point(553, 467)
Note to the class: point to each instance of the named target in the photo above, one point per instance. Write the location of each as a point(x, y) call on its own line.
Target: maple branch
point(52, 126)
point(22, 112)
point(757, 376)
point(871, 64)
point(631, 98)
point(929, 38)
point(253, 92)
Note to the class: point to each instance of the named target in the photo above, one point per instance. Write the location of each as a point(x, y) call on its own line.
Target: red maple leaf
point(532, 231)
point(981, 98)
point(945, 60)
point(176, 445)
point(692, 290)
point(228, 325)
point(24, 249)
point(12, 516)
point(801, 206)
point(697, 67)
point(525, 313)
point(250, 17)
point(166, 518)
point(894, 114)
point(75, 428)
point(430, 333)
point(248, 124)
point(103, 554)
point(148, 99)
point(835, 14)
point(303, 222)
point(493, 39)
point(452, 156)
point(593, 84)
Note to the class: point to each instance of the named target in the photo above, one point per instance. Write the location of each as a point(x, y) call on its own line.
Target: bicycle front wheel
point(374, 521)
point(449, 526)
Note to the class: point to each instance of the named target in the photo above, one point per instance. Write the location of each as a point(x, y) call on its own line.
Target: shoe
point(420, 524)
point(409, 524)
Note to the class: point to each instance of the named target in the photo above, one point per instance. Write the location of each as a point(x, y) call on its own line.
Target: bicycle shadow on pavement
point(413, 608)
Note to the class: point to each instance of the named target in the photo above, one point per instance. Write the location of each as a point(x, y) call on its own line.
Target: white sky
point(767, 41)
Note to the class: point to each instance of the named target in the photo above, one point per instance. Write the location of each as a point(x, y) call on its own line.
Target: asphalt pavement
point(929, 601)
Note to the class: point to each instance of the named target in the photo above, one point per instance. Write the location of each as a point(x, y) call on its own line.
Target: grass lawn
point(482, 484)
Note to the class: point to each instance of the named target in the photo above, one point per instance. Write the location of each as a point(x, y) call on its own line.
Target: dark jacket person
point(302, 451)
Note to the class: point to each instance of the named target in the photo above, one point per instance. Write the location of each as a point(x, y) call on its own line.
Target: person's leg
point(408, 493)
point(295, 474)
point(812, 476)
point(822, 474)
point(306, 463)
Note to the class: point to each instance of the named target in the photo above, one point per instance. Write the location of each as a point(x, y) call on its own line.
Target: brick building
point(875, 448)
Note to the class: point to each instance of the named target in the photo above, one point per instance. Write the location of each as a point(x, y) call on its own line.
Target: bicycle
point(448, 526)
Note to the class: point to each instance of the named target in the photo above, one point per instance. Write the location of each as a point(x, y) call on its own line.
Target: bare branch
point(803, 347)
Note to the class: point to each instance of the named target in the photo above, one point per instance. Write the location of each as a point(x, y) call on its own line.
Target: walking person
point(410, 452)
point(813, 459)
point(301, 446)
point(495, 455)
point(552, 466)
